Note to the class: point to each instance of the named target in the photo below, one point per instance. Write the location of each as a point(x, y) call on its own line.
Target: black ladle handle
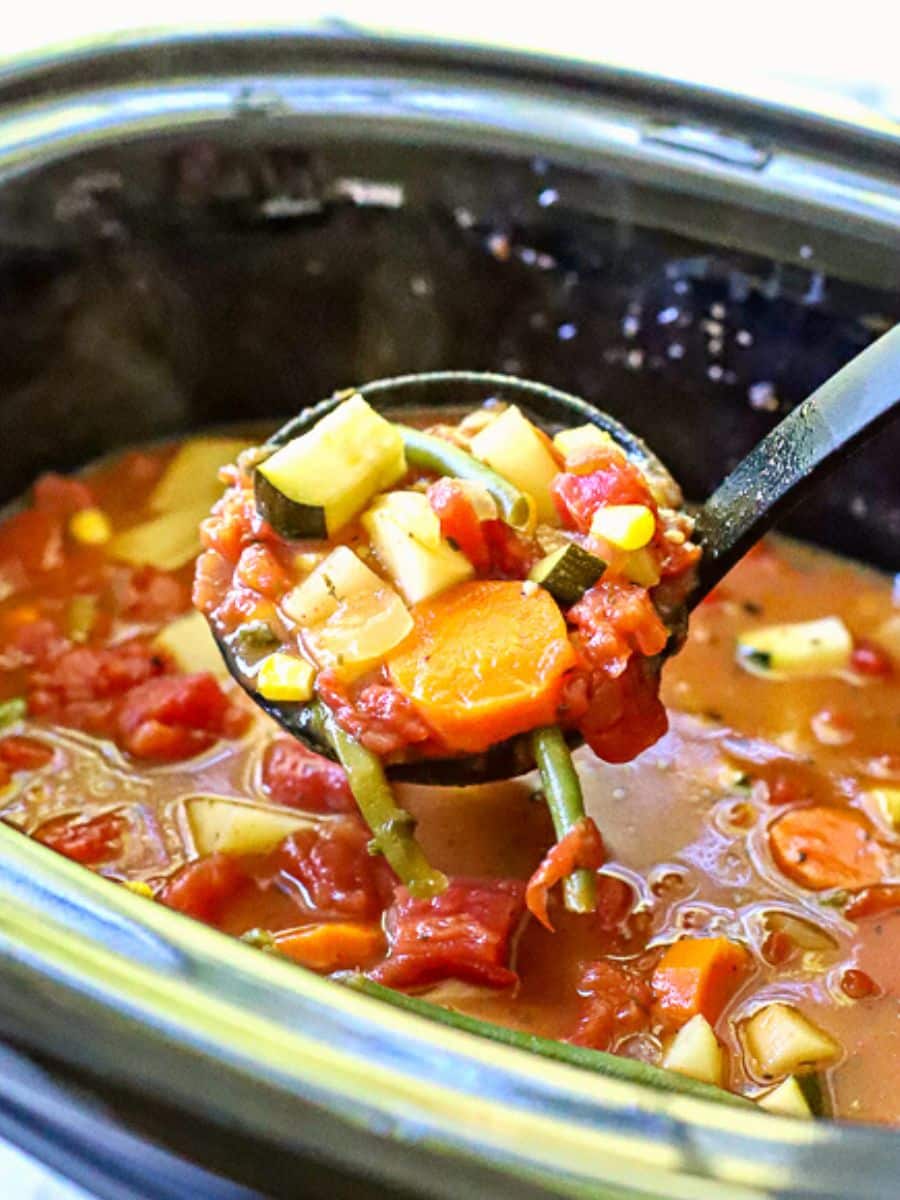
point(814, 438)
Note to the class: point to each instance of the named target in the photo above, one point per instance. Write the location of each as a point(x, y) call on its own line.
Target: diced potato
point(625, 526)
point(802, 649)
point(190, 643)
point(787, 1100)
point(343, 574)
point(191, 478)
point(167, 542)
point(804, 934)
point(285, 677)
point(513, 448)
point(236, 827)
point(570, 442)
point(781, 1040)
point(642, 567)
point(420, 564)
point(364, 629)
point(696, 1052)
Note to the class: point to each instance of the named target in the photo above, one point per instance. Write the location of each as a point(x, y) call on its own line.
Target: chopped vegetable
point(562, 791)
point(696, 1052)
point(787, 1100)
point(874, 901)
point(697, 975)
point(515, 449)
point(477, 690)
point(642, 567)
point(81, 617)
point(166, 542)
point(285, 677)
point(575, 859)
point(392, 827)
point(139, 888)
point(460, 522)
point(405, 534)
point(189, 643)
point(90, 527)
point(576, 442)
point(822, 847)
point(192, 476)
point(442, 457)
point(887, 804)
point(318, 482)
point(568, 572)
point(781, 1041)
point(803, 649)
point(625, 526)
point(363, 631)
point(227, 826)
point(341, 575)
point(12, 710)
point(333, 946)
point(804, 934)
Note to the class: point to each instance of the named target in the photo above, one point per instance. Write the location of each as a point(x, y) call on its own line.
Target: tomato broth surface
point(751, 855)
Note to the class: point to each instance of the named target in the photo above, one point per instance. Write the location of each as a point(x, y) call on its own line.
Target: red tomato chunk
point(88, 842)
point(297, 778)
point(178, 716)
point(616, 1002)
point(335, 873)
point(203, 888)
point(464, 933)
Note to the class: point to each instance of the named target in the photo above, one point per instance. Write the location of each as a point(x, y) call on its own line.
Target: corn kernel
point(90, 526)
point(887, 801)
point(626, 526)
point(139, 888)
point(284, 677)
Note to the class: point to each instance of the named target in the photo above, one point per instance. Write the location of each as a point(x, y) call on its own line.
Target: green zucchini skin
point(287, 517)
point(568, 573)
point(815, 1093)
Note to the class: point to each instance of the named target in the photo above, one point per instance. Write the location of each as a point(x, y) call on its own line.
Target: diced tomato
point(459, 522)
point(868, 658)
point(511, 555)
point(61, 495)
point(90, 842)
point(32, 642)
point(615, 620)
point(379, 715)
point(297, 778)
point(874, 901)
point(581, 847)
point(858, 985)
point(212, 578)
point(203, 888)
point(464, 933)
point(148, 594)
point(616, 1002)
point(625, 715)
point(35, 539)
point(611, 479)
point(83, 687)
point(177, 716)
point(24, 753)
point(258, 568)
point(336, 873)
point(235, 524)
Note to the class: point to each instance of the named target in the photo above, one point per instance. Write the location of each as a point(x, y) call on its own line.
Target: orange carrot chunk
point(825, 847)
point(485, 661)
point(334, 946)
point(697, 975)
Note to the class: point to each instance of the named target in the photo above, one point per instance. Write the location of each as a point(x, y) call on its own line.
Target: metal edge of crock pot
point(170, 1008)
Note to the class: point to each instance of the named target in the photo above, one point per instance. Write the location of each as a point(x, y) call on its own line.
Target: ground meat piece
point(464, 933)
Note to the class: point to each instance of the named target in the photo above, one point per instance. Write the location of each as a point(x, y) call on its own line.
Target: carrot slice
point(823, 847)
point(697, 975)
point(334, 946)
point(485, 661)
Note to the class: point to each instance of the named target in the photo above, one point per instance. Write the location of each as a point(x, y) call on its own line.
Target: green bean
point(631, 1070)
point(12, 710)
point(393, 829)
point(562, 789)
point(435, 454)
